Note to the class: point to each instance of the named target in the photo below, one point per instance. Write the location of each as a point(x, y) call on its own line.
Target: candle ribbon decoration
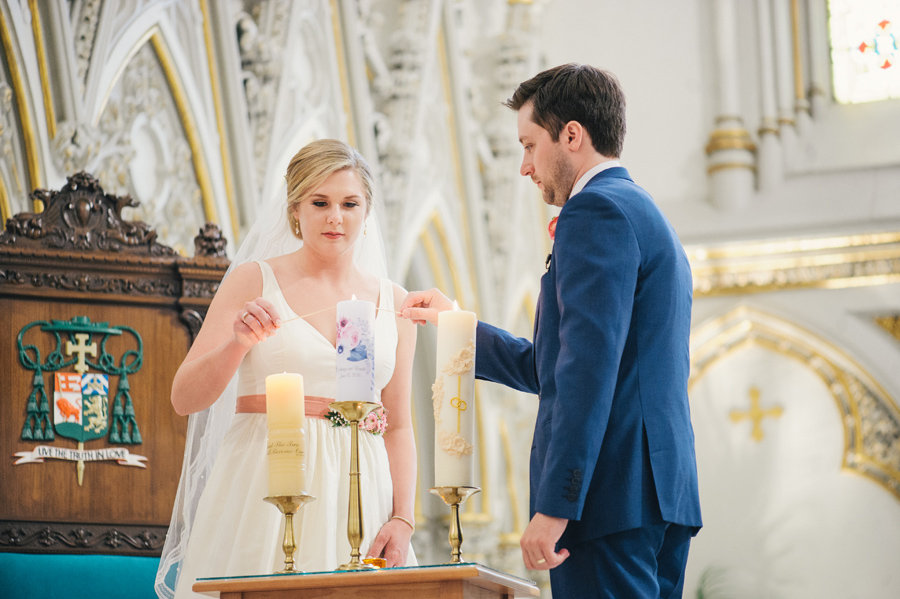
point(459, 403)
point(461, 363)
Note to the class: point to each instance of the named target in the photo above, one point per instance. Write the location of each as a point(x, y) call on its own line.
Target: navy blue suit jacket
point(613, 444)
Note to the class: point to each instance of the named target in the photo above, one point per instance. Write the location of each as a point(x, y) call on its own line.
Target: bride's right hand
point(256, 322)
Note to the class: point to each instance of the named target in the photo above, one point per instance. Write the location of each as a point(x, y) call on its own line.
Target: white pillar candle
point(454, 400)
point(286, 442)
point(355, 350)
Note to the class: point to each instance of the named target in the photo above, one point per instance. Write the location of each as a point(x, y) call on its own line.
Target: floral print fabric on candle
point(354, 336)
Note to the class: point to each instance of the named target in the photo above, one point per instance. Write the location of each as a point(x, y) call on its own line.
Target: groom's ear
point(574, 135)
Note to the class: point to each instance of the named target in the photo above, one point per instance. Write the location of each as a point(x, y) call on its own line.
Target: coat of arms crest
point(80, 405)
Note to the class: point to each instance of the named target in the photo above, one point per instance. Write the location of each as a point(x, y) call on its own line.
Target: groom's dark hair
point(577, 92)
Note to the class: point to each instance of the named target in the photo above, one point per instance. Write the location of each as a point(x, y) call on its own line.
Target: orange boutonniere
point(551, 228)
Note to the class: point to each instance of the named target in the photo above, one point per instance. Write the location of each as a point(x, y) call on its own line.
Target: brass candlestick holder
point(354, 412)
point(289, 505)
point(454, 496)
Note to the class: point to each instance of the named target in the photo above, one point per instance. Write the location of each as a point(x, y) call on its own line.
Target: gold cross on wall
point(756, 414)
point(82, 349)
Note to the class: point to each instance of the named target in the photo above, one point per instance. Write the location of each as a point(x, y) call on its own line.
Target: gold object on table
point(378, 562)
point(289, 505)
point(354, 412)
point(454, 496)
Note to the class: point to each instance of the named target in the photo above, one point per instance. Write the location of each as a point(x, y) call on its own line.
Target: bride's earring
point(365, 228)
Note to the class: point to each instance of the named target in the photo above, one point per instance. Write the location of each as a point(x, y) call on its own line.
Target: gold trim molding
point(43, 69)
point(724, 166)
point(891, 324)
point(28, 135)
point(446, 81)
point(869, 416)
point(187, 122)
point(730, 139)
point(342, 71)
point(227, 175)
point(831, 262)
point(511, 488)
point(5, 206)
point(798, 60)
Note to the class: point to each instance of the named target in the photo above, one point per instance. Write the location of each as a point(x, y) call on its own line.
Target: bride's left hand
point(392, 543)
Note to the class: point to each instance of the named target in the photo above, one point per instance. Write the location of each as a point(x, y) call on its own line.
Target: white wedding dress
point(236, 533)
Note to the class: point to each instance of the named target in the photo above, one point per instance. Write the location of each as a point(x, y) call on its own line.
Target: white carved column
point(817, 24)
point(223, 18)
point(464, 98)
point(770, 157)
point(798, 35)
point(784, 62)
point(261, 37)
point(730, 150)
point(362, 58)
point(411, 54)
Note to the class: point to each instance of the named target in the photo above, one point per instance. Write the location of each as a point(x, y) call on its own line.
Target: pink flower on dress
point(375, 422)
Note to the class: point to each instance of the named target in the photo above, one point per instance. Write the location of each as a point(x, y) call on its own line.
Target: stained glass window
point(865, 49)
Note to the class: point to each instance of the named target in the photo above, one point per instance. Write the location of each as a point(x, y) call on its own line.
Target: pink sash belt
point(315, 407)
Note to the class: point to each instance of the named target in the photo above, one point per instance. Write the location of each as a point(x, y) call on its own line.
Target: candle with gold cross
point(454, 399)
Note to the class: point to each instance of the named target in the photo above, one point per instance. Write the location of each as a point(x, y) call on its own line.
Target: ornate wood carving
point(79, 257)
point(58, 537)
point(82, 217)
point(192, 320)
point(80, 244)
point(210, 243)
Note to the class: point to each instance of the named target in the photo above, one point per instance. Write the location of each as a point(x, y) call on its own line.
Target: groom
point(614, 496)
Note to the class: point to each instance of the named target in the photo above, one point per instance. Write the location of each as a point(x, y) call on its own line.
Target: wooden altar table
point(464, 581)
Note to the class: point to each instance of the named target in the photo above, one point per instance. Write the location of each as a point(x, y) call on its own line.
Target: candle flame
point(353, 297)
point(455, 305)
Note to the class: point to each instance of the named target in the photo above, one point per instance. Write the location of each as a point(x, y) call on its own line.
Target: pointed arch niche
point(782, 420)
point(154, 148)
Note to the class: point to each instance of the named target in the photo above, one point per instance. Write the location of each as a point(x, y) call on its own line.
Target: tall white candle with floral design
point(454, 399)
point(355, 350)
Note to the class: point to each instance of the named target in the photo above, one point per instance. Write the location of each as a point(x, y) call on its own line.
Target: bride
point(221, 526)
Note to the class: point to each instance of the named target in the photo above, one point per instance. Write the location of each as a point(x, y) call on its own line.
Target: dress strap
point(386, 294)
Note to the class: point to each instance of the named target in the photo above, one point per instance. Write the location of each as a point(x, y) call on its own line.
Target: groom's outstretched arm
point(503, 358)
point(499, 356)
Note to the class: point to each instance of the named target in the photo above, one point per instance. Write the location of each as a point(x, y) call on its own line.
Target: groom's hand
point(539, 542)
point(424, 306)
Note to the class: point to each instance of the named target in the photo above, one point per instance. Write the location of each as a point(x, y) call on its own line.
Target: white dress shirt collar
point(579, 185)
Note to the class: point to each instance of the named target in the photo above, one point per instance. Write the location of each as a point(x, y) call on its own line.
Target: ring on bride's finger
point(244, 317)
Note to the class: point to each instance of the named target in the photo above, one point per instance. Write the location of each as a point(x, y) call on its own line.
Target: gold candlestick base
point(354, 412)
point(454, 496)
point(289, 505)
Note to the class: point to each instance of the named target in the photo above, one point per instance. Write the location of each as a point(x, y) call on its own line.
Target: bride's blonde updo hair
point(314, 163)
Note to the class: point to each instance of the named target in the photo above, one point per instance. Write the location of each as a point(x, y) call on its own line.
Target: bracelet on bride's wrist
point(402, 519)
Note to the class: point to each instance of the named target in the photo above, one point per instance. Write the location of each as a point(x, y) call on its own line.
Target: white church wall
point(791, 506)
point(841, 174)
